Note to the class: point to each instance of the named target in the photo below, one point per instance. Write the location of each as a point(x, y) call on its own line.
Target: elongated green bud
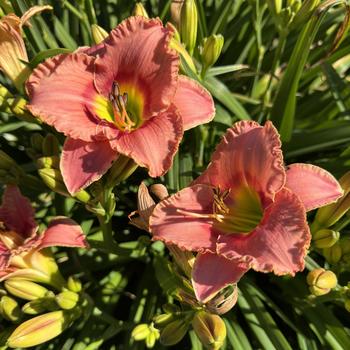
point(211, 50)
point(53, 180)
point(325, 238)
point(35, 307)
point(189, 24)
point(333, 254)
point(51, 146)
point(330, 214)
point(36, 141)
point(321, 281)
point(210, 329)
point(48, 162)
point(173, 332)
point(140, 332)
point(347, 305)
point(67, 300)
point(98, 33)
point(25, 289)
point(139, 10)
point(9, 309)
point(162, 320)
point(38, 330)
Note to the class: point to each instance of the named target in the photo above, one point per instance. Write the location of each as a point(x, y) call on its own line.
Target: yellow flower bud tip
point(39, 329)
point(189, 24)
point(25, 289)
point(48, 162)
point(333, 254)
point(9, 309)
point(67, 300)
point(212, 49)
point(141, 332)
point(139, 10)
point(325, 238)
point(173, 332)
point(98, 33)
point(74, 284)
point(321, 281)
point(210, 329)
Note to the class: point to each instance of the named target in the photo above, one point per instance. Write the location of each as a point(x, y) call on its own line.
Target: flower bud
point(139, 10)
point(210, 329)
point(67, 300)
point(330, 214)
point(211, 50)
point(184, 259)
point(9, 309)
point(162, 320)
point(189, 24)
point(25, 289)
point(51, 146)
point(98, 33)
point(325, 238)
point(333, 254)
point(36, 141)
point(321, 281)
point(175, 12)
point(173, 332)
point(224, 301)
point(53, 180)
point(74, 284)
point(140, 332)
point(48, 162)
point(152, 337)
point(347, 305)
point(38, 330)
point(35, 307)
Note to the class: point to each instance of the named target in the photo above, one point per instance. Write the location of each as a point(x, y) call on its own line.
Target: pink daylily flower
point(123, 96)
point(21, 245)
point(245, 211)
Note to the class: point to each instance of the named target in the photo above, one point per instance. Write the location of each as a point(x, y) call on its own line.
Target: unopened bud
point(9, 309)
point(333, 254)
point(162, 320)
point(332, 213)
point(98, 33)
point(38, 330)
point(321, 281)
point(211, 50)
point(67, 300)
point(210, 329)
point(347, 305)
point(140, 332)
point(25, 289)
point(51, 146)
point(224, 301)
point(36, 141)
point(325, 238)
point(184, 259)
point(53, 180)
point(173, 332)
point(74, 284)
point(48, 162)
point(139, 10)
point(34, 307)
point(152, 337)
point(189, 24)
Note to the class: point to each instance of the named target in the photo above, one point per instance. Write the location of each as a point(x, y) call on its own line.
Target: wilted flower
point(12, 48)
point(21, 245)
point(245, 211)
point(123, 96)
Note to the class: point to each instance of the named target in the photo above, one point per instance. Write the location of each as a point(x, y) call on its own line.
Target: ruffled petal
point(62, 94)
point(187, 232)
point(17, 213)
point(137, 53)
point(154, 144)
point(85, 162)
point(212, 272)
point(279, 244)
point(194, 102)
point(63, 232)
point(248, 155)
point(314, 186)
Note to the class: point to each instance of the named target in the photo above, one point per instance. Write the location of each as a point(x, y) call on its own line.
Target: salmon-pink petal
point(212, 272)
point(248, 155)
point(16, 212)
point(278, 244)
point(85, 162)
point(154, 144)
point(314, 186)
point(187, 232)
point(62, 94)
point(63, 232)
point(5, 255)
point(194, 102)
point(137, 53)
